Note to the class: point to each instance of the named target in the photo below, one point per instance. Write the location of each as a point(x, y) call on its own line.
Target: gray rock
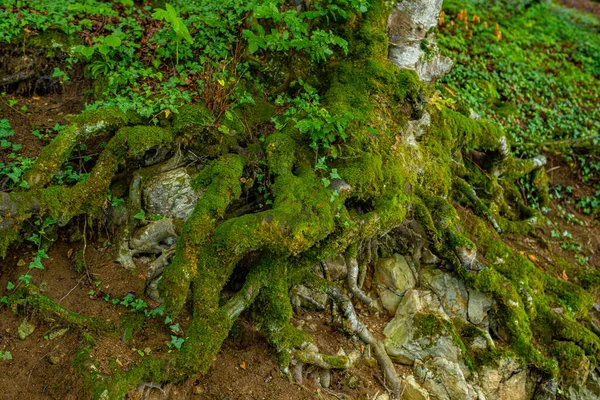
point(588, 391)
point(428, 258)
point(415, 129)
point(507, 379)
point(412, 390)
point(452, 293)
point(412, 38)
point(393, 276)
point(420, 330)
point(337, 267)
point(419, 301)
point(546, 390)
point(444, 380)
point(170, 194)
point(478, 307)
point(25, 329)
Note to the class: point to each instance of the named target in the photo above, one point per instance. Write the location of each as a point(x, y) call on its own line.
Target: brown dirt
point(583, 5)
point(42, 113)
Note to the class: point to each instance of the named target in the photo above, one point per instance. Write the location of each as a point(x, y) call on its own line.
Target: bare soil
point(583, 5)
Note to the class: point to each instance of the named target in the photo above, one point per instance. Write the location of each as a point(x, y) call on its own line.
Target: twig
point(332, 393)
point(78, 282)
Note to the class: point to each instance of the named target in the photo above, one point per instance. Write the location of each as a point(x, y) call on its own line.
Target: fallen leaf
point(564, 276)
point(243, 365)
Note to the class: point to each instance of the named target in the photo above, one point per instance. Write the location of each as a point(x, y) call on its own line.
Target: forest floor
point(246, 368)
point(583, 5)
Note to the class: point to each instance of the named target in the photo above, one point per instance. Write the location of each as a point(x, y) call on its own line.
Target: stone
point(419, 301)
point(58, 333)
point(325, 379)
point(478, 307)
point(412, 390)
point(337, 267)
point(546, 390)
point(25, 329)
point(505, 379)
point(452, 293)
point(353, 382)
point(170, 194)
point(444, 380)
point(411, 31)
point(393, 276)
point(428, 258)
point(415, 129)
point(405, 340)
point(589, 391)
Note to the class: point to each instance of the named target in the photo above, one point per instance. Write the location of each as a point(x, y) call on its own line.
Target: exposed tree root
point(358, 328)
point(29, 295)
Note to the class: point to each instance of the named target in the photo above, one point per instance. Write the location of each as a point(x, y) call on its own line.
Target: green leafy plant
point(169, 15)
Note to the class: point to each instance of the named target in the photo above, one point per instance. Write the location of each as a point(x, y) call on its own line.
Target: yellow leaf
point(243, 365)
point(167, 113)
point(221, 82)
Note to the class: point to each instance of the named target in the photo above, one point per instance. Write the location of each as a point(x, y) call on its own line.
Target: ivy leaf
point(36, 263)
point(104, 49)
point(113, 41)
point(141, 215)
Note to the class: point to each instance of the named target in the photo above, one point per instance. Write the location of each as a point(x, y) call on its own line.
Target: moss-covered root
point(29, 295)
point(222, 185)
point(211, 326)
point(116, 385)
point(478, 206)
point(361, 330)
point(56, 153)
point(64, 203)
point(273, 312)
point(440, 222)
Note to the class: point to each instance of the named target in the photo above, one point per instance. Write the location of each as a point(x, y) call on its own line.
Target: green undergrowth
point(543, 68)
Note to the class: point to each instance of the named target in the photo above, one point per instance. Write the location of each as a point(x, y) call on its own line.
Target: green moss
point(116, 385)
point(30, 295)
point(52, 41)
point(192, 120)
point(280, 149)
